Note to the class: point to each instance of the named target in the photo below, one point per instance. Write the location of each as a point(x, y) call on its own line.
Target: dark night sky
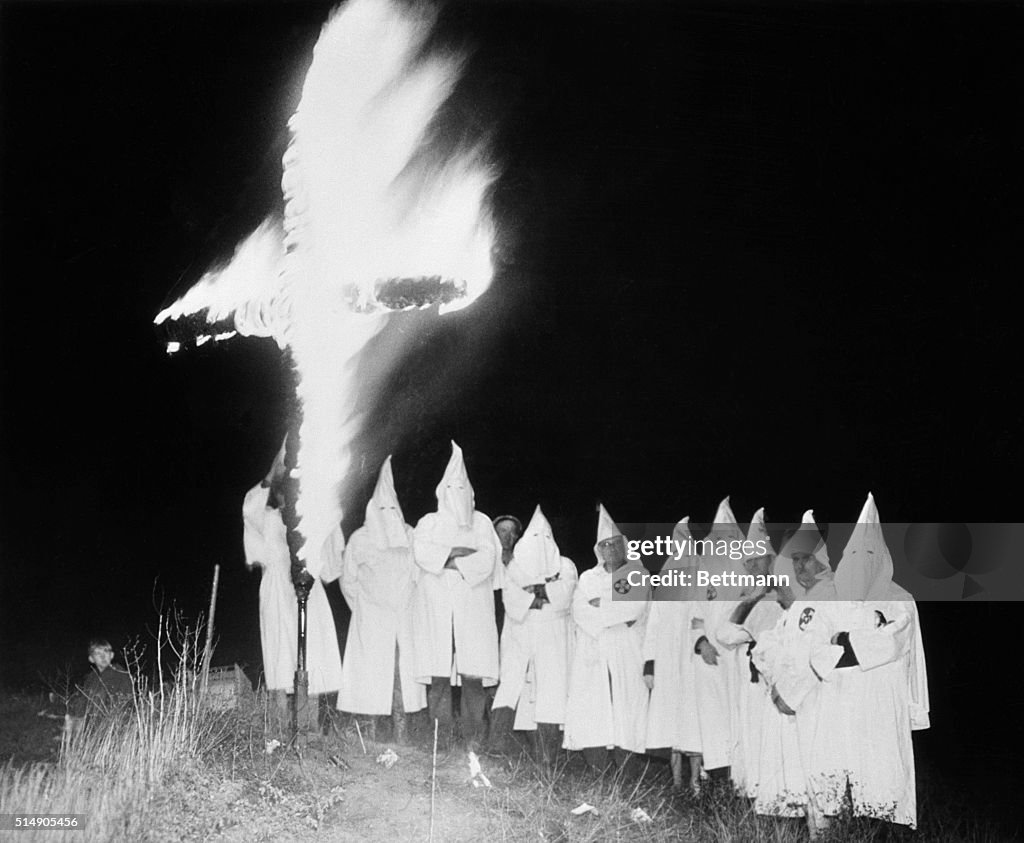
point(761, 249)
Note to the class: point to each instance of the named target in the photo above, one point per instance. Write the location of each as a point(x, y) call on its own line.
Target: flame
point(365, 203)
point(248, 288)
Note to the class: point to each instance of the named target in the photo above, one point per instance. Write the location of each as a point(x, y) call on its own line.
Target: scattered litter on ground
point(584, 808)
point(388, 758)
point(476, 773)
point(639, 815)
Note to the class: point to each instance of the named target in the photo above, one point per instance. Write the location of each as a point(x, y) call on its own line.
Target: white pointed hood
point(783, 566)
point(681, 537)
point(688, 561)
point(865, 569)
point(821, 554)
point(718, 552)
point(725, 525)
point(758, 532)
point(536, 556)
point(606, 529)
point(865, 573)
point(384, 519)
point(807, 539)
point(454, 492)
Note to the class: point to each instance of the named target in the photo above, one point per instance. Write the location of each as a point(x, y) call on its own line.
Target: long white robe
point(668, 642)
point(536, 647)
point(776, 779)
point(266, 545)
point(791, 656)
point(885, 696)
point(715, 686)
point(607, 705)
point(378, 584)
point(871, 709)
point(750, 696)
point(716, 683)
point(456, 604)
point(780, 787)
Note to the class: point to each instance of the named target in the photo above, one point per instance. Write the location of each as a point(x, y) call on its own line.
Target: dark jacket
point(101, 691)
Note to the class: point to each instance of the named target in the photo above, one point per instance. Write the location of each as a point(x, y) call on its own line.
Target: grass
point(171, 767)
point(536, 804)
point(110, 770)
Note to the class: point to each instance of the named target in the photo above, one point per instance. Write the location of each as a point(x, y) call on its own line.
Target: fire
point(247, 289)
point(373, 222)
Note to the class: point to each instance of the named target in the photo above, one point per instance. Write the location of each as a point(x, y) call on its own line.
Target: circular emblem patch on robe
point(712, 592)
point(805, 617)
point(622, 586)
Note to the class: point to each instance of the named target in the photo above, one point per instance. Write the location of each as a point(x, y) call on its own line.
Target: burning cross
point(373, 223)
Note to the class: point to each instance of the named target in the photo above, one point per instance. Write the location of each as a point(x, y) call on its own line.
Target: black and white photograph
point(458, 420)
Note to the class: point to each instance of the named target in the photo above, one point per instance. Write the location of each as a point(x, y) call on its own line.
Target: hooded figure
point(805, 541)
point(265, 542)
point(668, 662)
point(878, 689)
point(714, 665)
point(459, 556)
point(775, 775)
point(754, 614)
point(378, 581)
point(535, 643)
point(607, 706)
point(797, 757)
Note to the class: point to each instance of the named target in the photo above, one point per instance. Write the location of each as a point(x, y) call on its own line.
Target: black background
point(766, 250)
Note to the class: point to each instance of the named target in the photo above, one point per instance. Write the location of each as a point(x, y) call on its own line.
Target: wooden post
point(208, 649)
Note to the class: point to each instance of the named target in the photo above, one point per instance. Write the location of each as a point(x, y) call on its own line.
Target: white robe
point(378, 584)
point(748, 708)
point(790, 657)
point(779, 784)
point(266, 545)
point(536, 647)
point(715, 684)
point(668, 641)
point(607, 705)
point(456, 604)
point(885, 695)
point(871, 712)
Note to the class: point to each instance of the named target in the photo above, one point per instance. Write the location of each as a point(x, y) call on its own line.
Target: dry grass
point(110, 768)
point(536, 804)
point(170, 767)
